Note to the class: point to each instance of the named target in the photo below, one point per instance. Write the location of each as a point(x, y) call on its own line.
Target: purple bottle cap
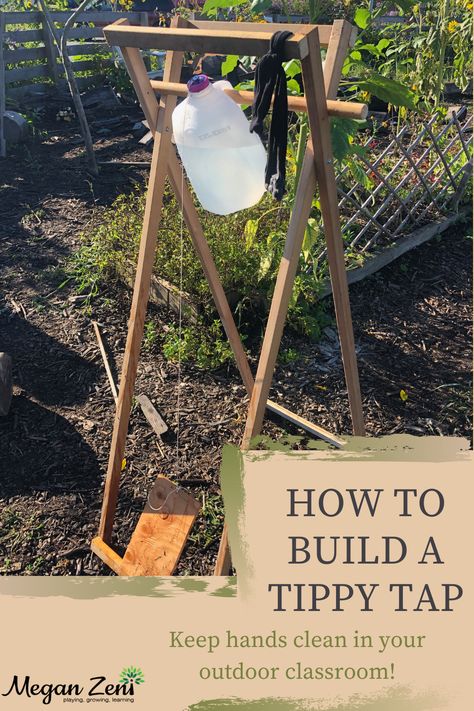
point(198, 83)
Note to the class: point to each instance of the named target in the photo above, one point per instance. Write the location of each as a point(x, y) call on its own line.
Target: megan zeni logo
point(99, 689)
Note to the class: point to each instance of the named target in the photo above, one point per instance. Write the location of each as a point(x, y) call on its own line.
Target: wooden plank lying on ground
point(162, 531)
point(305, 424)
point(157, 423)
point(391, 253)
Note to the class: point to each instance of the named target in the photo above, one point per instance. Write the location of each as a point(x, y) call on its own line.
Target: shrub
point(247, 267)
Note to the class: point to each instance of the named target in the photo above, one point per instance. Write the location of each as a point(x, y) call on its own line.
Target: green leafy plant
point(150, 335)
point(288, 356)
point(212, 8)
point(432, 47)
point(363, 65)
point(208, 527)
point(204, 344)
point(247, 247)
point(407, 63)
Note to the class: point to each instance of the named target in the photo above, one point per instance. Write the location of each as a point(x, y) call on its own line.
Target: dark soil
point(412, 326)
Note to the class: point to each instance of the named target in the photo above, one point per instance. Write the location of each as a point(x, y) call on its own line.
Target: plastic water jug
point(224, 162)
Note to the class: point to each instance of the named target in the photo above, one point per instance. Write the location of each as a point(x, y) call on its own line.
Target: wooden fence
point(29, 66)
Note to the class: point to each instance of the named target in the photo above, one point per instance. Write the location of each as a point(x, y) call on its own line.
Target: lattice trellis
point(415, 179)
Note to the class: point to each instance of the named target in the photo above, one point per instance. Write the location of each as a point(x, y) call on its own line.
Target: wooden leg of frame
point(323, 159)
point(280, 301)
point(223, 560)
point(275, 324)
point(339, 43)
point(159, 166)
point(319, 124)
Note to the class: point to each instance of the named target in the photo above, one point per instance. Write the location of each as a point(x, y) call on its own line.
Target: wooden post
point(280, 301)
point(323, 159)
point(51, 52)
point(3, 144)
point(151, 221)
point(341, 39)
point(144, 23)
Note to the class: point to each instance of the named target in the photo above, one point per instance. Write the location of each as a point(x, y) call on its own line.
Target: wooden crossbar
point(202, 41)
point(263, 27)
point(317, 169)
point(344, 109)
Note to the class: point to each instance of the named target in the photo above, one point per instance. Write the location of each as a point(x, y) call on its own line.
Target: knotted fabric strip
point(269, 77)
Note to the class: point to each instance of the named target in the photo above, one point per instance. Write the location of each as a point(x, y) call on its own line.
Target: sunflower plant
point(431, 47)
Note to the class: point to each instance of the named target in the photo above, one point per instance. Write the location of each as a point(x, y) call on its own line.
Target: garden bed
point(400, 191)
point(413, 332)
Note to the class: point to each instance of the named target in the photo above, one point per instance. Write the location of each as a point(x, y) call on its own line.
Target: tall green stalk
point(443, 30)
point(301, 148)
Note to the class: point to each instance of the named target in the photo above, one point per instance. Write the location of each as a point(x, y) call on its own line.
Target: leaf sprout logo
point(131, 675)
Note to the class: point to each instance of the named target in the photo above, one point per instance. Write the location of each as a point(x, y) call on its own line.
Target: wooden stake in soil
point(154, 418)
point(113, 387)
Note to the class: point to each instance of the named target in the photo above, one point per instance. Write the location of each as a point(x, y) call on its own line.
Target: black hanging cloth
point(269, 77)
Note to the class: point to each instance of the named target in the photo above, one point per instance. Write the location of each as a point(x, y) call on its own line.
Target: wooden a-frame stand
point(162, 530)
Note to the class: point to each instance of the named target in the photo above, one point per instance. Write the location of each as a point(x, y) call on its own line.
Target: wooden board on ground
point(152, 415)
point(113, 387)
point(161, 532)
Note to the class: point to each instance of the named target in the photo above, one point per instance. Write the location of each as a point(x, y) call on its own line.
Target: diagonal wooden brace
point(161, 151)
